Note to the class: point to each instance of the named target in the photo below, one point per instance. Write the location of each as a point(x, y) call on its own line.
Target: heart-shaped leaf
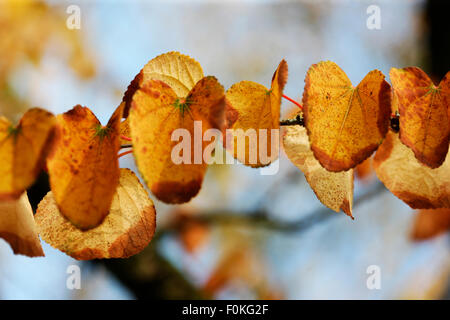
point(83, 165)
point(156, 113)
point(252, 112)
point(423, 108)
point(345, 124)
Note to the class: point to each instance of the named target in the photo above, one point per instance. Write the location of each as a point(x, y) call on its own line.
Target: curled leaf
point(416, 184)
point(423, 107)
point(22, 151)
point(179, 71)
point(345, 124)
point(252, 112)
point(126, 231)
point(156, 115)
point(83, 165)
point(430, 223)
point(333, 189)
point(18, 228)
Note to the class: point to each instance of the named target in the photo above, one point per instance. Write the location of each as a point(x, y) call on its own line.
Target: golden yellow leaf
point(179, 71)
point(423, 107)
point(430, 223)
point(18, 228)
point(126, 231)
point(251, 107)
point(155, 114)
point(83, 165)
point(416, 184)
point(333, 189)
point(22, 151)
point(345, 124)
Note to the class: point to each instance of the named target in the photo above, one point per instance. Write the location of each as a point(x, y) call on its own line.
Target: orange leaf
point(423, 107)
point(333, 189)
point(155, 114)
point(83, 165)
point(126, 231)
point(430, 223)
point(251, 106)
point(345, 124)
point(416, 184)
point(18, 228)
point(23, 150)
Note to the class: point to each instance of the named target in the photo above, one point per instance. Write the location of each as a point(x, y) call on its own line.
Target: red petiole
point(125, 137)
point(124, 153)
point(293, 101)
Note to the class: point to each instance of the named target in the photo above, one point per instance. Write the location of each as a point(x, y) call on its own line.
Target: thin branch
point(298, 120)
point(262, 219)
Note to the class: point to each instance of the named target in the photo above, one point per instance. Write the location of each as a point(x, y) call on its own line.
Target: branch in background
point(149, 275)
point(261, 218)
point(298, 120)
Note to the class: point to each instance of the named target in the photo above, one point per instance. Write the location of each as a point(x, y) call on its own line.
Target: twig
point(261, 219)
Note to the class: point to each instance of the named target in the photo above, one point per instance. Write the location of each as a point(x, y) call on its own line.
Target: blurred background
point(245, 236)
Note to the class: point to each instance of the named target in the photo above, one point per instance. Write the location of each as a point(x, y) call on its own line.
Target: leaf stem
point(125, 137)
point(293, 101)
point(124, 153)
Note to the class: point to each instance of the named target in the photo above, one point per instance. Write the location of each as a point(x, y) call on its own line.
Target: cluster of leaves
point(97, 210)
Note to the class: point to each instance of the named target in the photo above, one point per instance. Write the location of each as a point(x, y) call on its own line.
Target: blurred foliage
point(27, 29)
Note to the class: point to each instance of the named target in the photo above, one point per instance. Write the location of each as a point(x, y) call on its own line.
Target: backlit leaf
point(83, 165)
point(345, 124)
point(416, 184)
point(155, 114)
point(333, 189)
point(179, 71)
point(251, 107)
point(423, 107)
point(22, 151)
point(126, 231)
point(18, 228)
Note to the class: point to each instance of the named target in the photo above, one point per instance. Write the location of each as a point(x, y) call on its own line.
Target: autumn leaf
point(22, 151)
point(126, 231)
point(430, 223)
point(83, 165)
point(423, 107)
point(252, 107)
point(345, 124)
point(416, 184)
point(179, 71)
point(333, 189)
point(155, 114)
point(18, 228)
